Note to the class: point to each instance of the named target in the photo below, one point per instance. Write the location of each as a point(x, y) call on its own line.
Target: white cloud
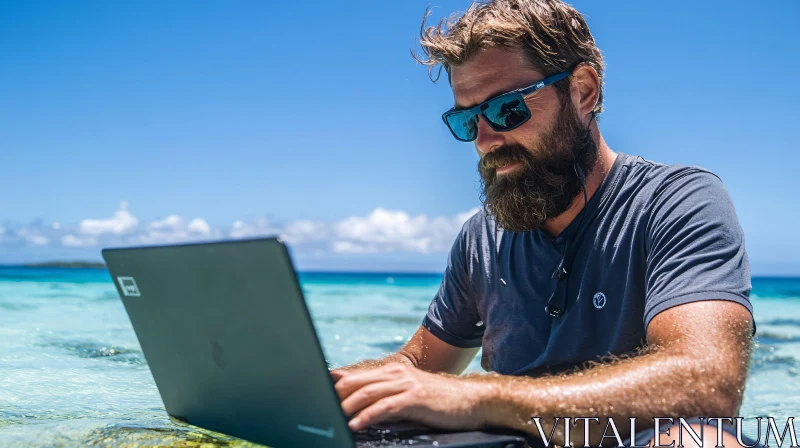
point(259, 227)
point(124, 228)
point(299, 232)
point(170, 223)
point(174, 229)
point(71, 240)
point(380, 231)
point(32, 236)
point(199, 226)
point(121, 223)
point(385, 231)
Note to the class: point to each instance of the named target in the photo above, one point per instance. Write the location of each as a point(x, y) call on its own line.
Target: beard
point(545, 184)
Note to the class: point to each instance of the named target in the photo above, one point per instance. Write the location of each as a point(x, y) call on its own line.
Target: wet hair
point(552, 34)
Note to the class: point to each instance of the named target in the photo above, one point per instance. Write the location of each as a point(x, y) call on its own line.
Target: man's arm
point(426, 352)
point(695, 365)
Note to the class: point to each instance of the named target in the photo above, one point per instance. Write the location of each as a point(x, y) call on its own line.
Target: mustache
point(503, 155)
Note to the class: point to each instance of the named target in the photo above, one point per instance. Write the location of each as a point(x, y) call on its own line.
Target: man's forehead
point(490, 73)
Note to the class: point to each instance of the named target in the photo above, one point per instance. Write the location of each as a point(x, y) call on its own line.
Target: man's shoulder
point(478, 229)
point(651, 179)
point(477, 221)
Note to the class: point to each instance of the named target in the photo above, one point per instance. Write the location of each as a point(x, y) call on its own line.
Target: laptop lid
point(229, 340)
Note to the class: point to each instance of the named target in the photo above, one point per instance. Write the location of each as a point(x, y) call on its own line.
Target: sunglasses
point(502, 113)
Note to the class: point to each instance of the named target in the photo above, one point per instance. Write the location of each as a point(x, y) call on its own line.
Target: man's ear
point(584, 89)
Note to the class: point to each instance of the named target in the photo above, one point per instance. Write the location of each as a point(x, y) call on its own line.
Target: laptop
point(227, 335)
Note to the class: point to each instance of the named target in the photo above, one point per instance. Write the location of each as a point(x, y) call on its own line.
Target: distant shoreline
point(101, 265)
point(67, 264)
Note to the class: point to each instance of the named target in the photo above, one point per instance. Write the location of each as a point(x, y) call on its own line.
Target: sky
point(154, 122)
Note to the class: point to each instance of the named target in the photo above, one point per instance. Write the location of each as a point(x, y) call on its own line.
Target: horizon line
point(101, 266)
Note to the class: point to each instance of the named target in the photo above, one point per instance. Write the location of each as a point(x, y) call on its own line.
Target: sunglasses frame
point(521, 93)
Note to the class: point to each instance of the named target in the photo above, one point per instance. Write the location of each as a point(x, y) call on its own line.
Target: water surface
point(72, 373)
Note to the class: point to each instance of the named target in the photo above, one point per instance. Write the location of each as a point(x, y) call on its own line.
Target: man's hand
point(401, 392)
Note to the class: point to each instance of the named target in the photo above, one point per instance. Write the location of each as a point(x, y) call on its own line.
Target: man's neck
point(605, 160)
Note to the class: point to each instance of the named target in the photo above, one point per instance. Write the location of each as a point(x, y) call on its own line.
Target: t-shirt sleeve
point(452, 315)
point(695, 245)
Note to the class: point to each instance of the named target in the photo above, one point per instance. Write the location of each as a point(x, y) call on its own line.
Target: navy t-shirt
point(653, 236)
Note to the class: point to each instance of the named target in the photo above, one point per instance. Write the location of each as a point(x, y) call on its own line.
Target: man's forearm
point(426, 352)
point(372, 363)
point(657, 384)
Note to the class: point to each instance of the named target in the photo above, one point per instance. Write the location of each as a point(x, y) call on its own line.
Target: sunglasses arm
point(544, 83)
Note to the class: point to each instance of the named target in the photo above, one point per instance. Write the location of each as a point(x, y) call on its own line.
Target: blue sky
point(136, 122)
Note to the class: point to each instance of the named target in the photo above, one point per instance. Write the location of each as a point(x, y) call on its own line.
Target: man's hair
point(552, 34)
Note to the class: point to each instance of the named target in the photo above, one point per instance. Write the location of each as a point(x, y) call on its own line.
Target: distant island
point(68, 264)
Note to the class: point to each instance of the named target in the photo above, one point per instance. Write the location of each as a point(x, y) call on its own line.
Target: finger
point(383, 410)
point(338, 374)
point(354, 381)
point(370, 394)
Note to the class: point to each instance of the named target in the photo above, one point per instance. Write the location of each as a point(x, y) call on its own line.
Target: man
point(597, 283)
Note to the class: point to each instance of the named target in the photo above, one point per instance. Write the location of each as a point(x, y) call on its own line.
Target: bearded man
point(598, 284)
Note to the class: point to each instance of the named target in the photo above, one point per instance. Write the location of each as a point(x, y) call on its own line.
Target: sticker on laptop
point(128, 285)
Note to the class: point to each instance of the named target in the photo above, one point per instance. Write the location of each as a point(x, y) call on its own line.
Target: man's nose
point(488, 139)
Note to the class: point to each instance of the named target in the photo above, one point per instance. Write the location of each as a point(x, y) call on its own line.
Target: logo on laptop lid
point(128, 286)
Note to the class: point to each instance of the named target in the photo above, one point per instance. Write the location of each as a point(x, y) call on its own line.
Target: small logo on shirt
point(599, 300)
point(128, 285)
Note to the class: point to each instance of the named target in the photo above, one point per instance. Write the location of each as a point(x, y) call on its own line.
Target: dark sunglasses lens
point(464, 125)
point(506, 112)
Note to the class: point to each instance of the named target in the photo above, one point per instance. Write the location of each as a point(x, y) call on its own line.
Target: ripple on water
point(403, 320)
point(107, 295)
point(770, 338)
point(91, 349)
point(781, 322)
point(58, 295)
point(16, 415)
point(15, 306)
point(788, 292)
point(392, 346)
point(765, 359)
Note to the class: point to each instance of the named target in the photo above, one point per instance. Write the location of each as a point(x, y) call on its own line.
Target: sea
point(72, 372)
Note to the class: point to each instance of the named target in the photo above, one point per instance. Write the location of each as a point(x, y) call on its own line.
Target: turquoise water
point(72, 374)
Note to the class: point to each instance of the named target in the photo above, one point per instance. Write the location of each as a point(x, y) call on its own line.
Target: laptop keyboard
point(392, 436)
point(404, 434)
